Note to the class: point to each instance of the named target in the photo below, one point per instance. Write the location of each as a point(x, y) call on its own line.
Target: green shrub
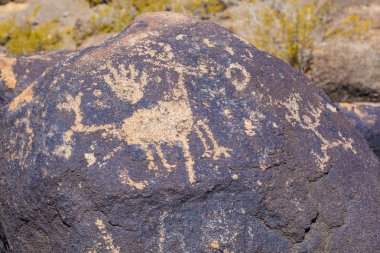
point(142, 6)
point(20, 39)
point(6, 29)
point(117, 14)
point(93, 3)
point(204, 8)
point(27, 39)
point(290, 29)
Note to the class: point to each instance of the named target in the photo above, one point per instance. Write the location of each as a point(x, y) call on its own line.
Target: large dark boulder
point(17, 73)
point(365, 118)
point(178, 136)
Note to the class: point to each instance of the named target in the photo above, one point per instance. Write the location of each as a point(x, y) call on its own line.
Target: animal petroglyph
point(169, 123)
point(312, 123)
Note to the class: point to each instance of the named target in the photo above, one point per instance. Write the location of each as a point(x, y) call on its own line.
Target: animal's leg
point(218, 150)
point(150, 158)
point(189, 161)
point(163, 159)
point(207, 152)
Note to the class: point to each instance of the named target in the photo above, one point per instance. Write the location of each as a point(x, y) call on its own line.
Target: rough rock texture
point(365, 117)
point(335, 73)
point(18, 73)
point(177, 136)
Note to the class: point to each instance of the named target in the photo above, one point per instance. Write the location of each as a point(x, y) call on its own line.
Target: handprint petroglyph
point(125, 82)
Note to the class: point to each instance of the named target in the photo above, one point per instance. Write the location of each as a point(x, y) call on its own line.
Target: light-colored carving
point(252, 123)
point(168, 123)
point(25, 142)
point(235, 176)
point(218, 150)
point(25, 96)
point(73, 104)
point(90, 158)
point(106, 237)
point(214, 245)
point(249, 128)
point(240, 85)
point(6, 71)
point(312, 123)
point(208, 43)
point(227, 113)
point(97, 93)
point(230, 50)
point(125, 179)
point(125, 84)
point(180, 37)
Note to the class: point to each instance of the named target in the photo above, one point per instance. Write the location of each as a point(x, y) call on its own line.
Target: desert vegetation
point(29, 38)
point(288, 29)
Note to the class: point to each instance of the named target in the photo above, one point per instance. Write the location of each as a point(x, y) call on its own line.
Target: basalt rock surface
point(18, 73)
point(178, 136)
point(365, 117)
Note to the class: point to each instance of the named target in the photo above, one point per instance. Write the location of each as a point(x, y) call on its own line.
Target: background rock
point(365, 117)
point(348, 72)
point(182, 138)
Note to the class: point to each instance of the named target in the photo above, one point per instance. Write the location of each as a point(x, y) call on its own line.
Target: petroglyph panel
point(168, 123)
point(177, 136)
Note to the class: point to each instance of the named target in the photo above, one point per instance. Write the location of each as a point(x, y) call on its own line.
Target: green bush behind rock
point(289, 29)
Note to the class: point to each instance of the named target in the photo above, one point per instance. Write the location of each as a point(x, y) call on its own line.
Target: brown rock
point(348, 72)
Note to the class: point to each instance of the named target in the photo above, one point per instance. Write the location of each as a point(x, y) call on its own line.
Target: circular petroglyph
point(238, 75)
